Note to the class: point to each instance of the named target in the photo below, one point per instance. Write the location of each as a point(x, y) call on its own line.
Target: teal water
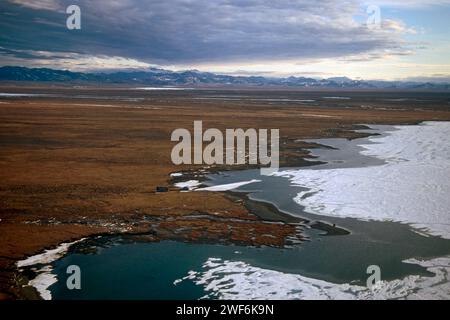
point(123, 270)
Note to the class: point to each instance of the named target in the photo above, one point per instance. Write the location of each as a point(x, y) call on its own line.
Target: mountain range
point(161, 77)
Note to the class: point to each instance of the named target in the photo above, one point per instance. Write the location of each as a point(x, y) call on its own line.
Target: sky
point(359, 39)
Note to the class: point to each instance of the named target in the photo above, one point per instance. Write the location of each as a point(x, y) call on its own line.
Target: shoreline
point(43, 278)
point(37, 287)
point(265, 211)
point(97, 175)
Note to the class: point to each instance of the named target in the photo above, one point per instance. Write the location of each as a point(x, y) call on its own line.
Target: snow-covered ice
point(413, 186)
point(224, 279)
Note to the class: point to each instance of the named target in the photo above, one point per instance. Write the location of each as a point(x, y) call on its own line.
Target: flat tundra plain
point(79, 162)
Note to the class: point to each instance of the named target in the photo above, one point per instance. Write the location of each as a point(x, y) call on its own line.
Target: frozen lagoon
point(412, 186)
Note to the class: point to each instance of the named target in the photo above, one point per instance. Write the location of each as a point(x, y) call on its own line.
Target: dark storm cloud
point(194, 31)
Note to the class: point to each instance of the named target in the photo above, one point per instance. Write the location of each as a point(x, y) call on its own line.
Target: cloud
point(389, 25)
point(201, 31)
point(68, 60)
point(53, 5)
point(409, 3)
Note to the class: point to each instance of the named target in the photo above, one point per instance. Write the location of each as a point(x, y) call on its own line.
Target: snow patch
point(190, 184)
point(163, 88)
point(44, 278)
point(43, 281)
point(47, 256)
point(338, 98)
point(176, 174)
point(228, 186)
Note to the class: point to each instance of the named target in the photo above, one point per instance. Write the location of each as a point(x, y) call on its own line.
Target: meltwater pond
point(398, 221)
